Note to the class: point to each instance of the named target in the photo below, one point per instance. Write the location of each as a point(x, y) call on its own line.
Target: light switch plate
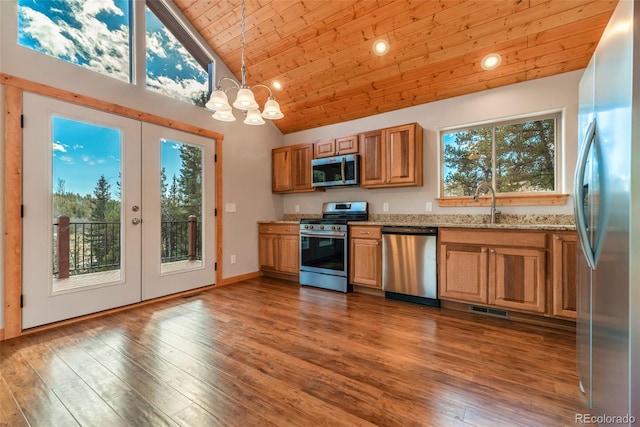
point(230, 207)
point(385, 207)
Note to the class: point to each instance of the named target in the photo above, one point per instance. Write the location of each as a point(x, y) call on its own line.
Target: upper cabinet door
point(401, 157)
point(346, 145)
point(326, 148)
point(281, 169)
point(373, 158)
point(301, 156)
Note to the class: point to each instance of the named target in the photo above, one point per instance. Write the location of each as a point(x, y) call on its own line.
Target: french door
point(116, 211)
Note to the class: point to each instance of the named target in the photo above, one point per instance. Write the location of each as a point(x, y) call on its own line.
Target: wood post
point(192, 233)
point(63, 247)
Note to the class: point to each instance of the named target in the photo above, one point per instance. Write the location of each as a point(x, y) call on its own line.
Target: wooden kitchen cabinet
point(517, 278)
point(392, 157)
point(464, 272)
point(563, 278)
point(291, 169)
point(504, 269)
point(279, 249)
point(365, 256)
point(336, 147)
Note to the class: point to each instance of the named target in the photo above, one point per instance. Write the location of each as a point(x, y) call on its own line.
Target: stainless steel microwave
point(336, 171)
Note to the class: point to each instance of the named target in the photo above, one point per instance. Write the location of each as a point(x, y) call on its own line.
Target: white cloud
point(59, 147)
point(154, 45)
point(48, 34)
point(179, 89)
point(66, 159)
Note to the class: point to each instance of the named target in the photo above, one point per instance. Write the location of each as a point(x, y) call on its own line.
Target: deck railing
point(89, 247)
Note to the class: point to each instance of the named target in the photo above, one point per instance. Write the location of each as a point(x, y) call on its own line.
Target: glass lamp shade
point(218, 101)
point(224, 115)
point(272, 110)
point(245, 100)
point(254, 118)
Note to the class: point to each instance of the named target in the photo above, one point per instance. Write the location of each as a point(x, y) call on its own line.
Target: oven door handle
point(323, 234)
point(342, 170)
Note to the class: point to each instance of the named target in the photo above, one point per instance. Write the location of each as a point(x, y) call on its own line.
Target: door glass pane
point(86, 204)
point(181, 206)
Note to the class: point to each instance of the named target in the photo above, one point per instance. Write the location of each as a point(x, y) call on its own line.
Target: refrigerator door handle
point(578, 195)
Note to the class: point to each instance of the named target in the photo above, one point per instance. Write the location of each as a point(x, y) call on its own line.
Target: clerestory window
point(90, 34)
point(98, 35)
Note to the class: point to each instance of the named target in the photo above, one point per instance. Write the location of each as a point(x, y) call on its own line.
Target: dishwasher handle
point(411, 230)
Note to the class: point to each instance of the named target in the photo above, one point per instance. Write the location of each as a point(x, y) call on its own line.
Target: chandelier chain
point(244, 79)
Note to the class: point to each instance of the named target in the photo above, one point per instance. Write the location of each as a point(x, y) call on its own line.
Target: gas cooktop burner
point(322, 221)
point(340, 213)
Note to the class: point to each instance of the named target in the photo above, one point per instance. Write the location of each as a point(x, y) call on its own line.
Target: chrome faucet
point(494, 212)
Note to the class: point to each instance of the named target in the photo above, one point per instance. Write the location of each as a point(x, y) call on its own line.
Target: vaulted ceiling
point(321, 50)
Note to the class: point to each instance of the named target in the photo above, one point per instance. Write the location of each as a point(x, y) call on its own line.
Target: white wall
point(557, 93)
point(246, 149)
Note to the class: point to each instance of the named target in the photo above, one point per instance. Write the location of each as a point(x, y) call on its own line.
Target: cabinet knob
point(483, 250)
point(558, 238)
point(493, 251)
point(377, 242)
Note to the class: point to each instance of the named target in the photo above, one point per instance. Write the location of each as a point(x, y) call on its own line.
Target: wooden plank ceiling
point(321, 50)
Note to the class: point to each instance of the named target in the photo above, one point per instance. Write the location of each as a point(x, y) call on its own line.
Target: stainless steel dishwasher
point(409, 264)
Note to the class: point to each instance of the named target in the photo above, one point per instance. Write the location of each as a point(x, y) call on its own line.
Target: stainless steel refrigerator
point(607, 209)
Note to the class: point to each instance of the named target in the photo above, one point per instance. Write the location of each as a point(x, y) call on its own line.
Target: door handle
point(136, 221)
point(579, 194)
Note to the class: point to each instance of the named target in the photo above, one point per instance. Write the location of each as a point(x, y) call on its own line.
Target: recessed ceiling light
point(380, 47)
point(491, 61)
point(276, 85)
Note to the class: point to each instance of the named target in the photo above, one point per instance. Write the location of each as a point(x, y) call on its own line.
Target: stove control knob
point(335, 227)
point(322, 227)
point(308, 227)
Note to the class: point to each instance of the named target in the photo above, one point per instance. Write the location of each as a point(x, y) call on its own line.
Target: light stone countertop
point(280, 222)
point(505, 221)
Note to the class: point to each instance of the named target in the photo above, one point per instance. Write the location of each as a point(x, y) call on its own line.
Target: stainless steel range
point(324, 245)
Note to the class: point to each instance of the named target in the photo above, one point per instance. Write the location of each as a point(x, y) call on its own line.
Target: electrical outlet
point(385, 207)
point(297, 208)
point(233, 259)
point(428, 206)
point(230, 207)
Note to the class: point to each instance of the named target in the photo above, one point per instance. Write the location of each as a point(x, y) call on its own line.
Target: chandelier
point(245, 100)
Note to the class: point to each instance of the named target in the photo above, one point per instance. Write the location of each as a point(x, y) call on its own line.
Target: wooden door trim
point(13, 88)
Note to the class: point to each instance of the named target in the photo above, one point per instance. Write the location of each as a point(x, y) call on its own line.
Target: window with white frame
point(98, 35)
point(515, 156)
point(93, 35)
point(176, 65)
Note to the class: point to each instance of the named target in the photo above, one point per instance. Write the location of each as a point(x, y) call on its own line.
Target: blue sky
point(94, 34)
point(82, 152)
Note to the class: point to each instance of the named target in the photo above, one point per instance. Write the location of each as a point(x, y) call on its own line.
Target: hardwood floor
point(268, 353)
